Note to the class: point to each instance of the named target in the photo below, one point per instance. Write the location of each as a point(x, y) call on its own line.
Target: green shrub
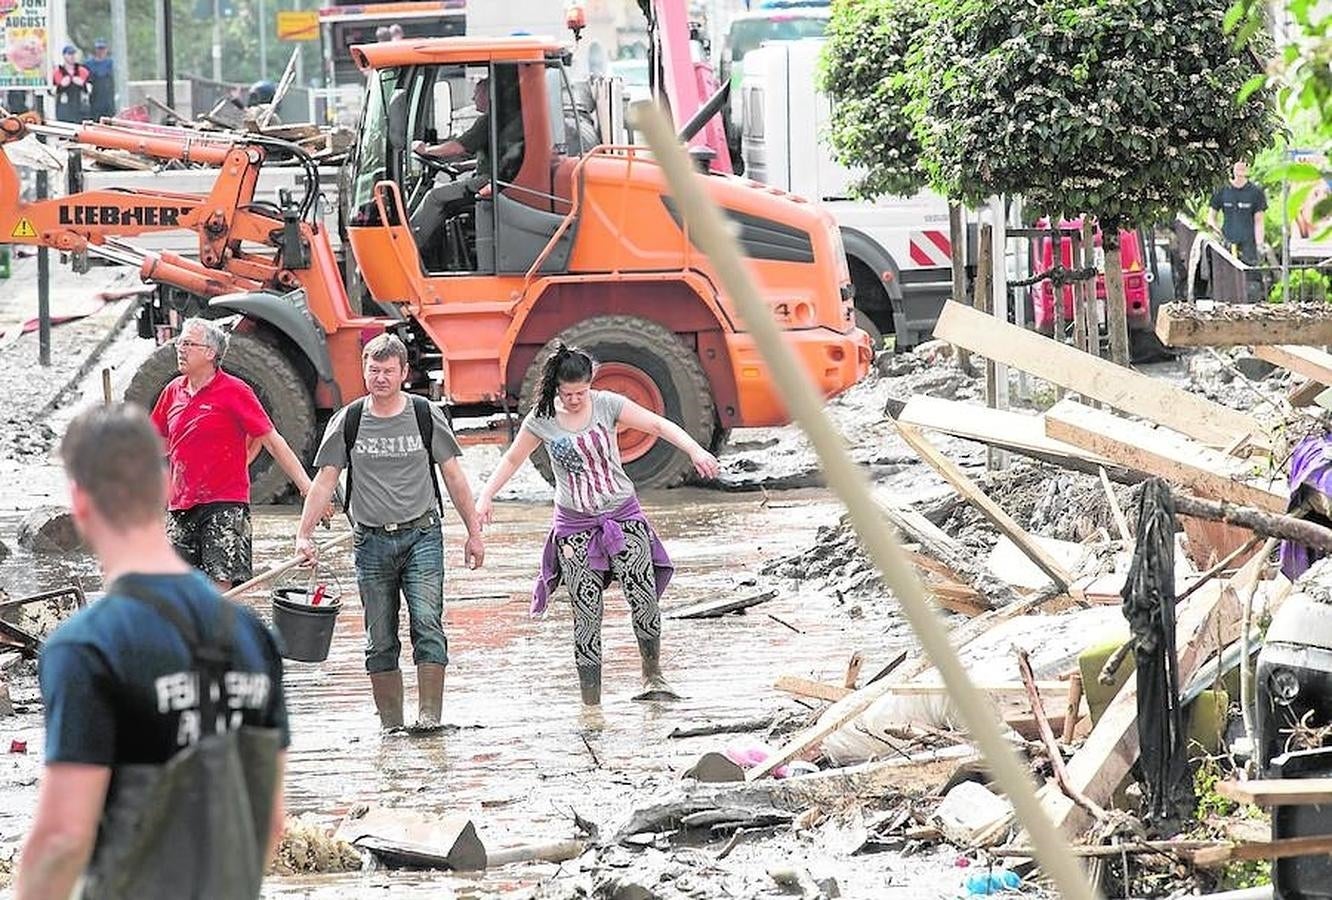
point(1303, 286)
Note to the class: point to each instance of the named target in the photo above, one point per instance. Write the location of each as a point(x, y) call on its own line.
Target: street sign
point(24, 36)
point(298, 25)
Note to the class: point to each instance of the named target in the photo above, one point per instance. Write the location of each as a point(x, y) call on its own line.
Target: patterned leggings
point(632, 568)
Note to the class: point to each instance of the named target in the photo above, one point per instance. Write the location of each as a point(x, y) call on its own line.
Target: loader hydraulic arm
point(222, 219)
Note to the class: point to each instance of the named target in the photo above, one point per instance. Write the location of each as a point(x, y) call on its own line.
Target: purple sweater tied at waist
point(607, 540)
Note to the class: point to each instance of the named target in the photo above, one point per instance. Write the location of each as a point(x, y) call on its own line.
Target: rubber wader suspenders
point(195, 827)
point(424, 424)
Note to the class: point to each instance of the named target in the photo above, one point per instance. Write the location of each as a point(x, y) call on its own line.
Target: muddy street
point(521, 755)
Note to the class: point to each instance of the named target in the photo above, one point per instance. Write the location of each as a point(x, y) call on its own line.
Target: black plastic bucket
point(306, 631)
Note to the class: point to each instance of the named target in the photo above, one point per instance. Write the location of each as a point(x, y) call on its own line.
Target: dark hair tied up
point(567, 365)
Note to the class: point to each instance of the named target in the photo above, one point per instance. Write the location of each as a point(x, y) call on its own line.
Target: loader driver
point(447, 200)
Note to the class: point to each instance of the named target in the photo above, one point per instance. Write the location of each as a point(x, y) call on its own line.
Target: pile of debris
point(1184, 542)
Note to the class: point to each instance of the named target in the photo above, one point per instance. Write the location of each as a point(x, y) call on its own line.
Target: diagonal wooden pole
point(713, 236)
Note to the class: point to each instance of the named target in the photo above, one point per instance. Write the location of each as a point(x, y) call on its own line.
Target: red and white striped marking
point(931, 248)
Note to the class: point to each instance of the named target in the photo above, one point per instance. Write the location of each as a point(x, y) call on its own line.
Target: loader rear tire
point(652, 366)
point(275, 381)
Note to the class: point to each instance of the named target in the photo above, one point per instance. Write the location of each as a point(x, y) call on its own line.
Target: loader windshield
point(372, 152)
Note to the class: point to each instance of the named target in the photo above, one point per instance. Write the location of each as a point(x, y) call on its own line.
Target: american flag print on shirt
point(586, 460)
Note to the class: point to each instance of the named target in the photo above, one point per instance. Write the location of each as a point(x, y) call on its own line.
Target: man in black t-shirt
point(118, 679)
point(1241, 203)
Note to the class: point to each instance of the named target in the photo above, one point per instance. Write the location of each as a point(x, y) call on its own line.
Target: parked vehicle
point(570, 242)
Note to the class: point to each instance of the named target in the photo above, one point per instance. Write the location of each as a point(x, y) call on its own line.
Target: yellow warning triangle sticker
point(23, 229)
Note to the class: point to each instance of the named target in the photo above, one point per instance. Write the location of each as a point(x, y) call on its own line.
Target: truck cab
point(898, 248)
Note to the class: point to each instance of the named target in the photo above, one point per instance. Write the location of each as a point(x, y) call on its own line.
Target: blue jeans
point(407, 563)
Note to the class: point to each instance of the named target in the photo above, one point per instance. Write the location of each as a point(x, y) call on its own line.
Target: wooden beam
point(1017, 431)
point(1313, 364)
point(1281, 848)
point(1238, 324)
point(972, 493)
point(1304, 394)
point(1123, 389)
point(715, 609)
point(1158, 451)
point(821, 690)
point(1278, 791)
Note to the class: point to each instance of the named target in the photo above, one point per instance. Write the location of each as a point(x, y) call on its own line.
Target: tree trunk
point(1116, 318)
point(957, 237)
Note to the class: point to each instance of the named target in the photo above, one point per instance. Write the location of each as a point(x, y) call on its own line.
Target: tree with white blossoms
point(1121, 109)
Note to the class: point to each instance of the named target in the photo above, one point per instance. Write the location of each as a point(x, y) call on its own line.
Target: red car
point(1137, 281)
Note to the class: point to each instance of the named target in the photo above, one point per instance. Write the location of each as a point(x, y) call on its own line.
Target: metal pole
point(217, 41)
point(1000, 304)
point(168, 53)
point(1285, 240)
point(263, 40)
point(119, 55)
point(43, 259)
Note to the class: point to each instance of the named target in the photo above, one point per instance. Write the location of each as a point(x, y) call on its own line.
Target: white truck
point(898, 248)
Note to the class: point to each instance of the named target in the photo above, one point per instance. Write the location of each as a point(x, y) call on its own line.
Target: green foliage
point(865, 72)
point(1121, 108)
point(1212, 806)
point(1304, 286)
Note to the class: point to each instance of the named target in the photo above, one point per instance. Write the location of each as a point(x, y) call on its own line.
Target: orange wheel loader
point(549, 235)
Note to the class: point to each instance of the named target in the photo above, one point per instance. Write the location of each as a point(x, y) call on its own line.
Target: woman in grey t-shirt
point(599, 532)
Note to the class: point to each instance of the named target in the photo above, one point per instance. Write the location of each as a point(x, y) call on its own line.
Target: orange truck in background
point(568, 240)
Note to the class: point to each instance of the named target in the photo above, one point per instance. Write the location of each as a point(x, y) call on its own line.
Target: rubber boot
point(429, 697)
point(589, 684)
point(387, 690)
point(655, 685)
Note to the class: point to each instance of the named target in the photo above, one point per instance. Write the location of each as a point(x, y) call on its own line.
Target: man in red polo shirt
point(210, 420)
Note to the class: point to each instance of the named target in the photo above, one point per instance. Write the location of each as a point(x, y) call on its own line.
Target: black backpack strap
point(351, 426)
point(211, 659)
point(425, 423)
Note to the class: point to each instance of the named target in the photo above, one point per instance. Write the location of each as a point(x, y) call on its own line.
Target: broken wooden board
point(972, 493)
point(410, 838)
point(1239, 324)
point(1281, 848)
point(1159, 451)
point(1124, 389)
point(1278, 791)
point(1312, 363)
point(715, 609)
point(1008, 430)
point(821, 690)
point(937, 544)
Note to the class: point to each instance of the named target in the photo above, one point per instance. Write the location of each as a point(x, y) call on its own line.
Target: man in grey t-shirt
point(393, 501)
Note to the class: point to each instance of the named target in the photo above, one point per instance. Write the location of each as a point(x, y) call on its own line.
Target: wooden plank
point(1238, 324)
point(1313, 364)
point(1158, 451)
point(1123, 389)
point(821, 690)
point(1004, 428)
point(972, 493)
point(1278, 791)
point(1281, 848)
point(715, 609)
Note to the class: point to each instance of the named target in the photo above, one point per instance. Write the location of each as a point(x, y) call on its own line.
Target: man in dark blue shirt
point(102, 101)
point(119, 679)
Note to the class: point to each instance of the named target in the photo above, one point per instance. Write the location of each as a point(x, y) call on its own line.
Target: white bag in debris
point(869, 735)
point(880, 731)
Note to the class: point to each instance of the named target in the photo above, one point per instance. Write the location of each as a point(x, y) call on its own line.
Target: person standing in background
point(71, 86)
point(102, 102)
point(1242, 204)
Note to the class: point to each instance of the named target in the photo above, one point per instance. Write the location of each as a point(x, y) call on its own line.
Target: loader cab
point(494, 209)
